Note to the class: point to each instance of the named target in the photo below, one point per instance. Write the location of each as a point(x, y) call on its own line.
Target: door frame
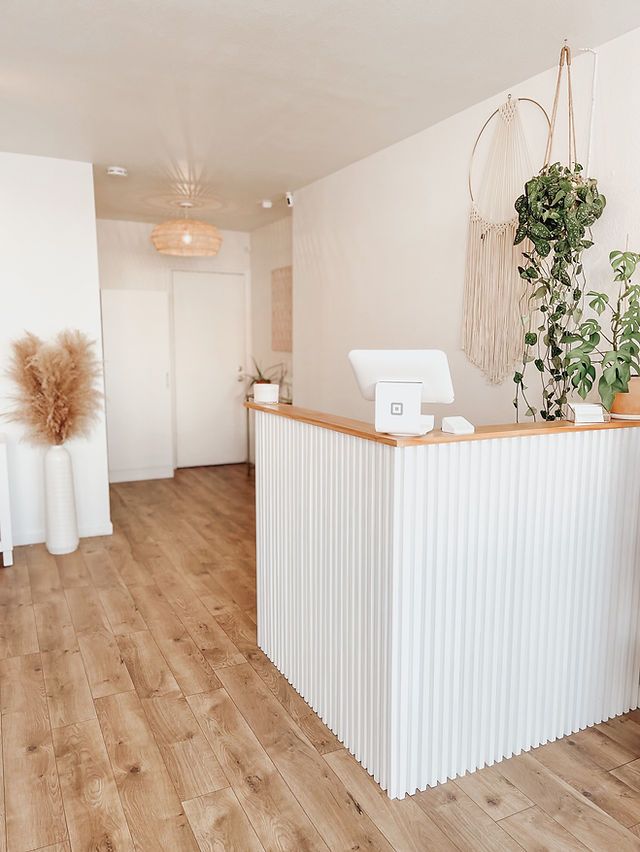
point(172, 337)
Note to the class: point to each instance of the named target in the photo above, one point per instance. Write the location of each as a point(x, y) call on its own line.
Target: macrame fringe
point(492, 331)
point(492, 323)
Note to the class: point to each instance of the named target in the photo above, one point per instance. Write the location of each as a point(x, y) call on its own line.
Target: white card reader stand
point(398, 409)
point(399, 380)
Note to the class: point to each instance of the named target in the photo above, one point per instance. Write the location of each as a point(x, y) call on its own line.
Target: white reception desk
point(445, 602)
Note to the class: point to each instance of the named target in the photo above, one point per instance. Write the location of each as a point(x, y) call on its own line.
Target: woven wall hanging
point(492, 325)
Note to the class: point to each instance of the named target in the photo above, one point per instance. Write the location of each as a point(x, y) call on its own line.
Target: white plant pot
point(60, 502)
point(266, 393)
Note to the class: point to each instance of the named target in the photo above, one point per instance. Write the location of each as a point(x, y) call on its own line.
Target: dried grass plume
point(56, 397)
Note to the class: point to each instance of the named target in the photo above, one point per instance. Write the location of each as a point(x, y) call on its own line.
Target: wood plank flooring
point(137, 713)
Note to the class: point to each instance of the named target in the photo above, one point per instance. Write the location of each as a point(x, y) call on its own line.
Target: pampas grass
point(56, 395)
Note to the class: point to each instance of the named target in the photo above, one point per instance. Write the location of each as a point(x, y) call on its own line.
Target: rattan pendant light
point(186, 237)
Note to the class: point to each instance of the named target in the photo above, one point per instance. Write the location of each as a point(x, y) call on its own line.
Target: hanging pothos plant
point(555, 212)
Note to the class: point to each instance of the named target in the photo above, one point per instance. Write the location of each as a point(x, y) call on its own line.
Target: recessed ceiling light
point(266, 203)
point(117, 171)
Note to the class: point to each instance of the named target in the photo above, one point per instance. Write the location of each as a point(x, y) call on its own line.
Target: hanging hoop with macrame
point(492, 326)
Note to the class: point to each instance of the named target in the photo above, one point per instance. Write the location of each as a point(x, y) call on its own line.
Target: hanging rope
point(564, 62)
point(492, 326)
point(592, 108)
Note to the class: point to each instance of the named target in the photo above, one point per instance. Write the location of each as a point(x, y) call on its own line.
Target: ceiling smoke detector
point(117, 171)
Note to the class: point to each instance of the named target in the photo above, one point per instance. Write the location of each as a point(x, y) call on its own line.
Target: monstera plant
point(555, 212)
point(613, 345)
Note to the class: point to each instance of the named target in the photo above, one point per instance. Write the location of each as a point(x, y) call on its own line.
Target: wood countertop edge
point(360, 429)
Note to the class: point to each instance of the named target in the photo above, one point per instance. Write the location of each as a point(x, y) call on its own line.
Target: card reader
point(457, 426)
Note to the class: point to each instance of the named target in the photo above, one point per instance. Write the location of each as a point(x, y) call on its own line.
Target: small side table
point(6, 537)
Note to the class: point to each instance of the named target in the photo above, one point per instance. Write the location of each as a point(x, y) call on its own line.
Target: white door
point(209, 339)
point(137, 359)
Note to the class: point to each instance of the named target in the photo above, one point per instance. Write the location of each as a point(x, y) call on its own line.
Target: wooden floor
point(138, 713)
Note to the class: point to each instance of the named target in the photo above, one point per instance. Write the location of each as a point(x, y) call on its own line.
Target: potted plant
point(555, 211)
point(56, 400)
point(618, 359)
point(265, 383)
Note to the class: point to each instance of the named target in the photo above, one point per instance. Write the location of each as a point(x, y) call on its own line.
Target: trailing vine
point(555, 211)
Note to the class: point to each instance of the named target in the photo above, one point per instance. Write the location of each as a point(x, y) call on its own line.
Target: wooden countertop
point(360, 429)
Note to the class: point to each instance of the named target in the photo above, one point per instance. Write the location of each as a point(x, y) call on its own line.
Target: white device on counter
point(400, 380)
point(457, 426)
point(587, 412)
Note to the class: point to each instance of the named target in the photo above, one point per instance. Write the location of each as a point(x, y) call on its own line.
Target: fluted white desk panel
point(445, 605)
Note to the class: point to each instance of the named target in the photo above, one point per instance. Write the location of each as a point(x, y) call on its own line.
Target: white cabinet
point(137, 364)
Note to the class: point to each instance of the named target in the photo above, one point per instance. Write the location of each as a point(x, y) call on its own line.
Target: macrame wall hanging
point(492, 326)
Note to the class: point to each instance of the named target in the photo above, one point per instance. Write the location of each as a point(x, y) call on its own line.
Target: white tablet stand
point(400, 380)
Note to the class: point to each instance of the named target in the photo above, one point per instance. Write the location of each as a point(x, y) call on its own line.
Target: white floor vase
point(60, 502)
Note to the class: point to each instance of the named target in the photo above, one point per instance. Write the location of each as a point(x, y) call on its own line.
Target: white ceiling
point(246, 99)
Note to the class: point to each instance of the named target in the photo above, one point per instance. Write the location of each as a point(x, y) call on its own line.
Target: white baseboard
point(99, 529)
point(21, 537)
point(138, 474)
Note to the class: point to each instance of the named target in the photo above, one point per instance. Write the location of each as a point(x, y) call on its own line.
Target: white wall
point(49, 282)
point(379, 247)
point(271, 248)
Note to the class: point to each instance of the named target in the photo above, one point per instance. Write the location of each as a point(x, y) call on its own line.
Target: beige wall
point(128, 259)
point(270, 249)
point(379, 247)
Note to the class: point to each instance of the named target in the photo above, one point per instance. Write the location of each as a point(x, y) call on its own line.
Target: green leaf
point(521, 204)
point(543, 247)
point(521, 234)
point(599, 302)
point(607, 394)
point(539, 231)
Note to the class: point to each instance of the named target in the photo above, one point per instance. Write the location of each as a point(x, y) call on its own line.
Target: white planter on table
point(266, 393)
